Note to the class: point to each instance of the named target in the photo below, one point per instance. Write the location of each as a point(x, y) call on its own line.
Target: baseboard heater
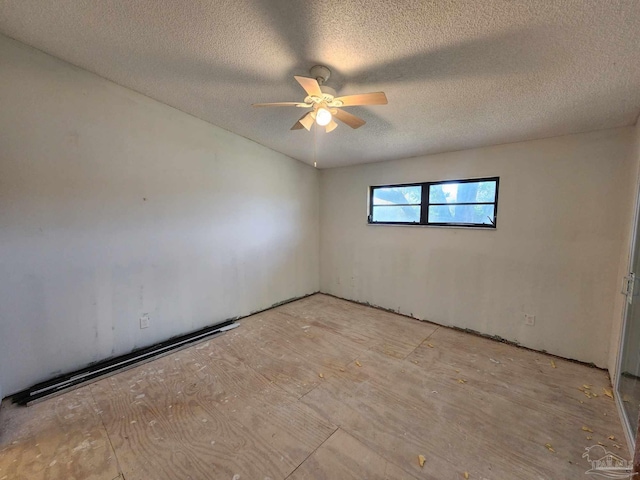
point(98, 370)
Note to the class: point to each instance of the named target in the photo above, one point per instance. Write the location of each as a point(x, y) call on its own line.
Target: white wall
point(113, 205)
point(562, 217)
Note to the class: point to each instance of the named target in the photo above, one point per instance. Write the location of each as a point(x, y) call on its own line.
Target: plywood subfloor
point(322, 388)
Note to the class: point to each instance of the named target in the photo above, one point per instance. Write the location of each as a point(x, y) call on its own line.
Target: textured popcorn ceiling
point(458, 74)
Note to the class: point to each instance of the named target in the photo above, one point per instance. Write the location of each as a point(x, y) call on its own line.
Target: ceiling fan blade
point(331, 126)
point(306, 121)
point(375, 98)
point(310, 85)
point(348, 118)
point(280, 104)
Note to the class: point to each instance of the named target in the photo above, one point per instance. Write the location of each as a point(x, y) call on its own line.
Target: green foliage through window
point(465, 203)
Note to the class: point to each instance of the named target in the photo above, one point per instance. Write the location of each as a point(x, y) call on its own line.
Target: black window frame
point(424, 204)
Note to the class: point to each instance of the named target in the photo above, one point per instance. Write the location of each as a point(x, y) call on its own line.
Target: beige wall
point(562, 219)
point(113, 205)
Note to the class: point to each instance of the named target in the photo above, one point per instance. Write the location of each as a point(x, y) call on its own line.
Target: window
point(398, 204)
point(459, 203)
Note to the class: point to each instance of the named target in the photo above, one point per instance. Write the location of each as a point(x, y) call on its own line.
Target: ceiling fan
point(324, 103)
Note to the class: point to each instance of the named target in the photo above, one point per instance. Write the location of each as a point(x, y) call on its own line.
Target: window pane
point(468, 192)
point(397, 195)
point(396, 214)
point(474, 214)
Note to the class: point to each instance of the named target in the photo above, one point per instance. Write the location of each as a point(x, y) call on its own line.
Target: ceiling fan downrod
point(320, 73)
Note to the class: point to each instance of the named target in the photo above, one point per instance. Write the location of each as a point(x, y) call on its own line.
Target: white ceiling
point(458, 74)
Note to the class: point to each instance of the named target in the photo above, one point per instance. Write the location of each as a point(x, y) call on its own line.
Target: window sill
point(413, 225)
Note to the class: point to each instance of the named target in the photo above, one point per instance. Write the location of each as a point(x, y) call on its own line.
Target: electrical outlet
point(144, 321)
point(529, 320)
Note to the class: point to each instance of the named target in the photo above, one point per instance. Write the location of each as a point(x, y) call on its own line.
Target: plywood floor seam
point(115, 456)
point(322, 388)
point(292, 474)
point(423, 341)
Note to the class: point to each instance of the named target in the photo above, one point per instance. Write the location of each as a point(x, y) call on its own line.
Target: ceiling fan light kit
point(323, 116)
point(324, 103)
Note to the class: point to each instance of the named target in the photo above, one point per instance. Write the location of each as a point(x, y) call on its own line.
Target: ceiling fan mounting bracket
point(320, 73)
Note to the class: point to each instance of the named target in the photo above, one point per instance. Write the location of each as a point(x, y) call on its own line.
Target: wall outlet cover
point(144, 321)
point(529, 320)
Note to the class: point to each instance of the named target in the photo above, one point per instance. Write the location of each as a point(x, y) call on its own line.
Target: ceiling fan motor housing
point(328, 95)
point(320, 73)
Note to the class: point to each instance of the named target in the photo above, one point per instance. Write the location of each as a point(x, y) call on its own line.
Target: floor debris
point(462, 380)
point(587, 393)
point(549, 447)
point(607, 392)
point(421, 460)
point(380, 396)
point(586, 429)
point(358, 363)
point(553, 364)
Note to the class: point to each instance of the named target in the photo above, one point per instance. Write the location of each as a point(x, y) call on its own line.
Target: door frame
point(628, 427)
